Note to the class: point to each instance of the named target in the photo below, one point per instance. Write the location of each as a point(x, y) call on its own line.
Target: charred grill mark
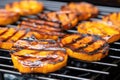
point(3, 30)
point(105, 47)
point(57, 15)
point(101, 49)
point(82, 43)
point(27, 35)
point(101, 30)
point(38, 45)
point(86, 43)
point(27, 55)
point(67, 25)
point(35, 59)
point(65, 39)
point(44, 22)
point(74, 41)
point(58, 19)
point(17, 36)
point(11, 35)
point(70, 21)
point(34, 25)
point(43, 31)
point(96, 45)
point(81, 37)
point(52, 16)
point(10, 32)
point(45, 17)
point(65, 18)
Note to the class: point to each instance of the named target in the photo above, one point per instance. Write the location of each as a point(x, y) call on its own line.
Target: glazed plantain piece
point(10, 32)
point(113, 18)
point(25, 7)
point(8, 17)
point(39, 35)
point(67, 19)
point(3, 30)
point(8, 36)
point(42, 27)
point(103, 29)
point(19, 34)
point(85, 46)
point(30, 61)
point(84, 10)
point(38, 56)
point(42, 44)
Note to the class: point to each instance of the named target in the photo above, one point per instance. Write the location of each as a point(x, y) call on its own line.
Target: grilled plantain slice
point(29, 61)
point(85, 46)
point(38, 56)
point(83, 9)
point(17, 36)
point(8, 36)
point(103, 29)
point(43, 22)
point(67, 19)
point(113, 18)
point(3, 30)
point(45, 36)
point(47, 29)
point(25, 7)
point(42, 44)
point(10, 32)
point(8, 17)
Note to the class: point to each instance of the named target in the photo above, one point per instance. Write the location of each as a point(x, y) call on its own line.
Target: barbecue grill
point(106, 69)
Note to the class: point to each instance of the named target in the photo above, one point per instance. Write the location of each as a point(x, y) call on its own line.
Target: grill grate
point(106, 69)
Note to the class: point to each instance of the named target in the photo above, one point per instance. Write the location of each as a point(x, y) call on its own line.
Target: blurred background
point(114, 3)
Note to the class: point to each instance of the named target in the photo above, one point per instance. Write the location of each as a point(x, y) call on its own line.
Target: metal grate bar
point(17, 73)
point(118, 43)
point(88, 70)
point(116, 57)
point(3, 65)
point(114, 49)
point(100, 16)
point(108, 9)
point(4, 50)
point(12, 25)
point(45, 78)
point(2, 57)
point(103, 13)
point(70, 77)
point(72, 31)
point(94, 19)
point(9, 71)
point(106, 64)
